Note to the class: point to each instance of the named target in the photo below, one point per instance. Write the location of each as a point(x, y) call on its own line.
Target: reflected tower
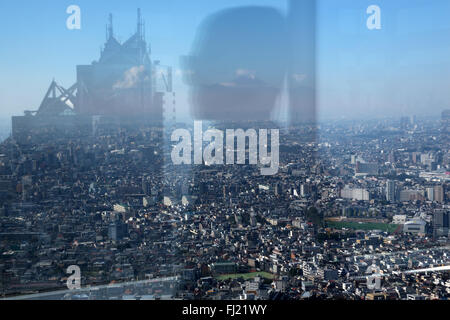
point(120, 83)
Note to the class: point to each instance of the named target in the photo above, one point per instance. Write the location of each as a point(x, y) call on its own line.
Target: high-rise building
point(146, 187)
point(439, 194)
point(120, 83)
point(430, 194)
point(390, 191)
point(124, 88)
point(441, 222)
point(117, 230)
point(303, 190)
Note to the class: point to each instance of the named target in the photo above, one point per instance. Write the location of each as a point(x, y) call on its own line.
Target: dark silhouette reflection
point(242, 57)
point(301, 77)
point(238, 64)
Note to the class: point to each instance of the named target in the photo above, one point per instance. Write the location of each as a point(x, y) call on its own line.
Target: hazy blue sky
point(403, 68)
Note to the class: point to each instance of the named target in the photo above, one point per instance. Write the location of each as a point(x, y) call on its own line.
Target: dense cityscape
point(367, 193)
point(93, 206)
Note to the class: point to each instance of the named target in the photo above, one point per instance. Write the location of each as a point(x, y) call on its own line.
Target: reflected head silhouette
point(237, 65)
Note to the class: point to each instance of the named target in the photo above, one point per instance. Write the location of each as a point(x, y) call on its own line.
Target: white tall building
point(390, 191)
point(430, 194)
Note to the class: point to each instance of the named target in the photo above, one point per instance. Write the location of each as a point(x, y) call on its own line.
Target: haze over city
point(257, 150)
point(399, 70)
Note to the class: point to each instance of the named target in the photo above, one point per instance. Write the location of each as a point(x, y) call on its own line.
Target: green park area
point(245, 276)
point(391, 228)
